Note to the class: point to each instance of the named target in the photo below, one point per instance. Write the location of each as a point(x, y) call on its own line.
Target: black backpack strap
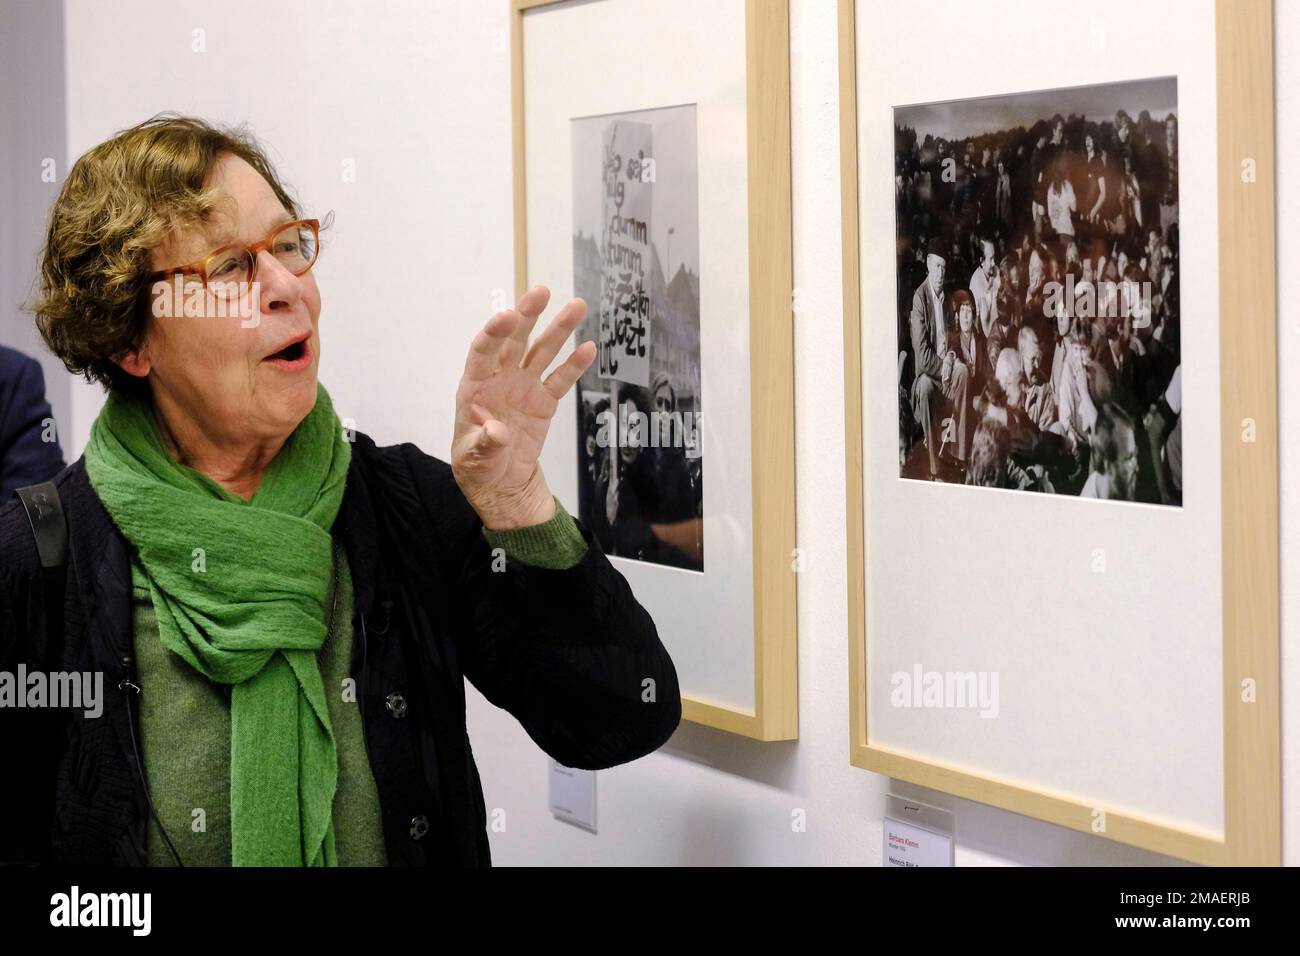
point(50, 529)
point(49, 526)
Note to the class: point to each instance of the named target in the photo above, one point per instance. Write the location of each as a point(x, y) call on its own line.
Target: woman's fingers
point(548, 344)
point(492, 435)
point(562, 379)
point(533, 302)
point(482, 436)
point(485, 351)
point(471, 415)
point(531, 305)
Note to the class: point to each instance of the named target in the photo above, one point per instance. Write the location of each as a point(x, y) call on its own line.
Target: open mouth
point(290, 353)
point(293, 355)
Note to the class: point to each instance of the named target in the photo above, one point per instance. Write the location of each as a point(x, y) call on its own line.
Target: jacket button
point(396, 704)
point(419, 826)
point(379, 622)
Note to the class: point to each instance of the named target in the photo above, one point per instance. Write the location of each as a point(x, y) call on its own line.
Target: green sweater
point(185, 720)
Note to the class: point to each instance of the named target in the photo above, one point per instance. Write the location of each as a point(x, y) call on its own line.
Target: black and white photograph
point(1038, 292)
point(636, 264)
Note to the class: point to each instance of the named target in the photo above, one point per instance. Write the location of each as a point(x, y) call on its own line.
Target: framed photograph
point(1037, 313)
point(656, 187)
point(1061, 415)
point(641, 465)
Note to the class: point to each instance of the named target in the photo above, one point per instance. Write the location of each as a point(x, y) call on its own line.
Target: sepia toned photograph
point(1038, 292)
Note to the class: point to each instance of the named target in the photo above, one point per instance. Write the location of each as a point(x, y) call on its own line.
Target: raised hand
point(504, 410)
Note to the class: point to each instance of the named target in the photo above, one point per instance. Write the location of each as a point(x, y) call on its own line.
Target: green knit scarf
point(239, 590)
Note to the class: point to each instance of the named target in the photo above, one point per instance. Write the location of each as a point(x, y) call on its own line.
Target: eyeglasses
point(229, 269)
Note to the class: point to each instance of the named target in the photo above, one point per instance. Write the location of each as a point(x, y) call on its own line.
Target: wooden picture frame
point(767, 79)
point(1251, 772)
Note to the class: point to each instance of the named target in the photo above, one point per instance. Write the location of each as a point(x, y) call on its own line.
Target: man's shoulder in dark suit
point(25, 456)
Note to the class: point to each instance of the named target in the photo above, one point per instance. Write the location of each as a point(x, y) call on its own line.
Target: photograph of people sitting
point(1038, 293)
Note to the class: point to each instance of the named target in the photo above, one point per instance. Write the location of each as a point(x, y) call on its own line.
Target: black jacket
point(571, 654)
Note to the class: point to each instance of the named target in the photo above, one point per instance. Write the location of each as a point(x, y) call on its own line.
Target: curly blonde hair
point(121, 200)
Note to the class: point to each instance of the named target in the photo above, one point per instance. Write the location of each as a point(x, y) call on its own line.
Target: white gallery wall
point(396, 116)
point(32, 154)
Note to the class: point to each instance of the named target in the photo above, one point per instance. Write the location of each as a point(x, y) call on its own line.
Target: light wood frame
point(771, 357)
point(1248, 357)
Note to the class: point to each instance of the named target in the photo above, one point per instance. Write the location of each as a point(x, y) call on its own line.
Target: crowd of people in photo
point(649, 503)
point(1038, 307)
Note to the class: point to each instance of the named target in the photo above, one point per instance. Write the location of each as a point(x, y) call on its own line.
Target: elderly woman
point(282, 612)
